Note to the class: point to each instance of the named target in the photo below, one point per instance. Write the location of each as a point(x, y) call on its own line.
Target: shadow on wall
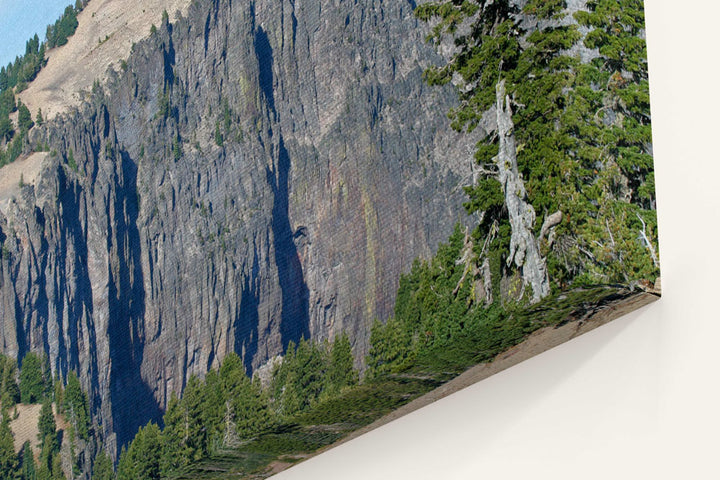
point(129, 392)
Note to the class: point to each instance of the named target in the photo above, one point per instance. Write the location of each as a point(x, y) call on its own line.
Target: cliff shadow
point(73, 240)
point(132, 400)
point(247, 321)
point(295, 321)
point(264, 54)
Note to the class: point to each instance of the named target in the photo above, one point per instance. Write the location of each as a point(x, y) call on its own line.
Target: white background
point(638, 398)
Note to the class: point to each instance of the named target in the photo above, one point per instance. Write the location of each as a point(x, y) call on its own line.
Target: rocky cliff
point(257, 171)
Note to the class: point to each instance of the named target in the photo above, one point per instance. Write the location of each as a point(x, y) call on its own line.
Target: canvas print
point(236, 233)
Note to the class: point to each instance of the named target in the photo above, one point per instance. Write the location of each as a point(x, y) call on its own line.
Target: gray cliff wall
point(164, 250)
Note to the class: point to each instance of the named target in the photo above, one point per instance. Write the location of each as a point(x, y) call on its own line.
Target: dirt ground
point(105, 34)
point(25, 426)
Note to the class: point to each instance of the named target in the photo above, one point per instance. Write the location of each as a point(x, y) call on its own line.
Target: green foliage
point(59, 395)
point(142, 458)
point(76, 406)
point(27, 471)
point(7, 102)
point(177, 149)
point(340, 371)
point(46, 422)
point(164, 102)
point(103, 467)
point(6, 129)
point(39, 117)
point(582, 130)
point(246, 410)
point(50, 465)
point(186, 434)
point(24, 68)
point(25, 122)
point(389, 348)
point(9, 390)
point(58, 33)
point(71, 161)
point(14, 149)
point(219, 139)
point(299, 380)
point(8, 459)
point(32, 386)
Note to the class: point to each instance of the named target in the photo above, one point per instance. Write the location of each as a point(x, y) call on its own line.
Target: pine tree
point(28, 463)
point(6, 128)
point(8, 459)
point(299, 380)
point(7, 101)
point(142, 458)
point(31, 379)
point(9, 390)
point(46, 422)
point(341, 372)
point(103, 467)
point(582, 129)
point(76, 406)
point(176, 452)
point(25, 122)
point(213, 409)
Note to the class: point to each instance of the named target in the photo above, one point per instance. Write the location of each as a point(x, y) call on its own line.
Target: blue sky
point(21, 19)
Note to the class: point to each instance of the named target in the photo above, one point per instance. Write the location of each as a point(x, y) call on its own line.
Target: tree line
point(227, 408)
point(580, 130)
point(15, 77)
point(578, 93)
point(32, 383)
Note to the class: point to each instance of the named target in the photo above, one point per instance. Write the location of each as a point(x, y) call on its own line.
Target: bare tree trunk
point(524, 249)
point(230, 439)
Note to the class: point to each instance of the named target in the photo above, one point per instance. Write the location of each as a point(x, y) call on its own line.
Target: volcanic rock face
point(260, 171)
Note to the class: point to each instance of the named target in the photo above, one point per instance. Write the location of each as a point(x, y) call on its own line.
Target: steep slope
point(260, 171)
point(107, 30)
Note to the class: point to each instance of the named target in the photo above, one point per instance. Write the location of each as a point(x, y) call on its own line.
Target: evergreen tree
point(8, 459)
point(28, 463)
point(582, 128)
point(176, 452)
point(196, 434)
point(142, 458)
point(57, 471)
point(9, 390)
point(185, 434)
point(76, 406)
point(24, 118)
point(7, 102)
point(31, 379)
point(389, 347)
point(46, 422)
point(39, 117)
point(213, 409)
point(6, 128)
point(341, 372)
point(59, 394)
point(299, 380)
point(103, 467)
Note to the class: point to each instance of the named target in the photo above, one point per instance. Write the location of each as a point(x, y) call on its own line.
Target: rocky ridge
point(257, 172)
